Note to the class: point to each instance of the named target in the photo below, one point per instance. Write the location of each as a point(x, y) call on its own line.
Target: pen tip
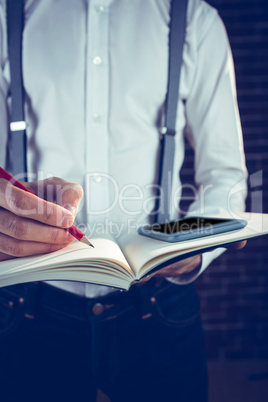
point(86, 241)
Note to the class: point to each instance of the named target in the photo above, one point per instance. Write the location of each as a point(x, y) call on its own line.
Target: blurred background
point(234, 289)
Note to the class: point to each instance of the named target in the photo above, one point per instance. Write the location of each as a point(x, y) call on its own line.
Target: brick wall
point(234, 289)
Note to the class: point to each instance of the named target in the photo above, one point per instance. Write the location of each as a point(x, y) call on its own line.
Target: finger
point(171, 272)
point(174, 271)
point(237, 246)
point(145, 279)
point(26, 229)
point(180, 267)
point(59, 191)
point(30, 206)
point(4, 257)
point(20, 248)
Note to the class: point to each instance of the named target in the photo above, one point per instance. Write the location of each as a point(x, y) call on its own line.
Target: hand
point(187, 265)
point(237, 246)
point(176, 269)
point(30, 225)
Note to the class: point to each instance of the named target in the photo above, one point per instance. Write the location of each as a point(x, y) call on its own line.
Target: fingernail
point(71, 208)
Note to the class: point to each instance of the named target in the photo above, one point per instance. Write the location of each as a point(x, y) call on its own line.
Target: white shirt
point(95, 76)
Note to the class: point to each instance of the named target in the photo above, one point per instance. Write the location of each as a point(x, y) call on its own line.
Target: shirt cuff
point(189, 277)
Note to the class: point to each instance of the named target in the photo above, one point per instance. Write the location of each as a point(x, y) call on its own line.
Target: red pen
point(72, 230)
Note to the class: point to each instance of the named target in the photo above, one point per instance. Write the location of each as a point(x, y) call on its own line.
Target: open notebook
point(120, 265)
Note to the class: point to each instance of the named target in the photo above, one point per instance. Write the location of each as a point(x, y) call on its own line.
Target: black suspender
point(15, 17)
point(15, 20)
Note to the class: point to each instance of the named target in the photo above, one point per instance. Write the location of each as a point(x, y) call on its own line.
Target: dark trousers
point(146, 344)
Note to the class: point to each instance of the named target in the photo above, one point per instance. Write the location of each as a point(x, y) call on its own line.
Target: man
point(95, 78)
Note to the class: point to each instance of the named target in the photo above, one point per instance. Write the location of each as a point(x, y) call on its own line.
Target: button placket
point(96, 118)
point(99, 8)
point(97, 60)
point(97, 105)
point(97, 178)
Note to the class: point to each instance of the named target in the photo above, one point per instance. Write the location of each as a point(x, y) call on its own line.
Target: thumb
point(69, 196)
point(62, 192)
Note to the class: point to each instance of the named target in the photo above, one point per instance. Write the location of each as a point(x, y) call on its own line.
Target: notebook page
point(75, 253)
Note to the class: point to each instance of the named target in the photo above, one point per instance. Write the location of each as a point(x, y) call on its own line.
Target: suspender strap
point(15, 18)
point(15, 22)
point(176, 41)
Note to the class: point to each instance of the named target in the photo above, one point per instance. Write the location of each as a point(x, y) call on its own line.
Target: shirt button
point(97, 60)
point(99, 8)
point(97, 309)
point(96, 118)
point(97, 178)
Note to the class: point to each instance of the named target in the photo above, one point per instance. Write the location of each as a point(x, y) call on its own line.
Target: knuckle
point(14, 247)
point(50, 248)
point(11, 201)
point(17, 202)
point(72, 191)
point(55, 236)
point(17, 228)
point(53, 247)
point(48, 216)
point(33, 186)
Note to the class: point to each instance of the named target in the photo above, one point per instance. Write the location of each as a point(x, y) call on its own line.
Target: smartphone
point(192, 227)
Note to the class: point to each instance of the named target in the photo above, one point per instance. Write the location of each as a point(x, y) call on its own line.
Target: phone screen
point(187, 224)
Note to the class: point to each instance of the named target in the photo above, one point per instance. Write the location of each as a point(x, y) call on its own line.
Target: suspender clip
point(18, 126)
point(168, 131)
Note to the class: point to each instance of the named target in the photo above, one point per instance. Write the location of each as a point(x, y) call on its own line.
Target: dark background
point(234, 290)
